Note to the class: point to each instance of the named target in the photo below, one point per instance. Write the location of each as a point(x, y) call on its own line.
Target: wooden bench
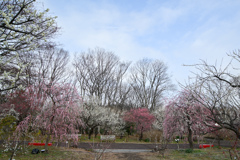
point(70, 135)
point(108, 138)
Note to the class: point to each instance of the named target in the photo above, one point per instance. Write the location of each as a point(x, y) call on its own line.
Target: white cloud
point(177, 32)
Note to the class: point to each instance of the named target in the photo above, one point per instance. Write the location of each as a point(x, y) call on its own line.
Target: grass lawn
point(203, 154)
point(61, 153)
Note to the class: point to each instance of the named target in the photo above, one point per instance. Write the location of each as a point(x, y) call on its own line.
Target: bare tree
point(100, 73)
point(48, 64)
point(218, 91)
point(53, 65)
point(149, 81)
point(29, 59)
point(223, 103)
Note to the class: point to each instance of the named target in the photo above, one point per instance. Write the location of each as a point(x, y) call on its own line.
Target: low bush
point(188, 150)
point(147, 140)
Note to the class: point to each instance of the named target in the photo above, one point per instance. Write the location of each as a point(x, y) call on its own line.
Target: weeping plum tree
point(217, 88)
point(185, 115)
point(57, 108)
point(142, 119)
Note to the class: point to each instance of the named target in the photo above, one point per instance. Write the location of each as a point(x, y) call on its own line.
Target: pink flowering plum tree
point(57, 109)
point(17, 101)
point(185, 115)
point(142, 119)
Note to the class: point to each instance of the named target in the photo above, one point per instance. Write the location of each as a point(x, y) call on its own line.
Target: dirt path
point(131, 146)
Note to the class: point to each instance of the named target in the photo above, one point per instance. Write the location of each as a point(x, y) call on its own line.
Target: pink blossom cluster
point(141, 117)
point(185, 112)
point(55, 110)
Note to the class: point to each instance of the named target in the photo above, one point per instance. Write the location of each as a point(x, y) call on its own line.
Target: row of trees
point(97, 73)
point(41, 90)
point(28, 57)
point(59, 113)
point(100, 73)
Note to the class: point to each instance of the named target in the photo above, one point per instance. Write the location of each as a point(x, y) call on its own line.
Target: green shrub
point(7, 126)
point(188, 150)
point(147, 140)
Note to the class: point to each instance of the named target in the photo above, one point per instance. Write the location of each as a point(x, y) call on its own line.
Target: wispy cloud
point(178, 32)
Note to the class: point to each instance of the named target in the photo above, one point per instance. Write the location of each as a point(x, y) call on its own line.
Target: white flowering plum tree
point(159, 118)
point(94, 115)
point(114, 122)
point(22, 28)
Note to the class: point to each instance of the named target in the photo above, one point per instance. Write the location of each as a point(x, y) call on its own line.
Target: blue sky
point(175, 31)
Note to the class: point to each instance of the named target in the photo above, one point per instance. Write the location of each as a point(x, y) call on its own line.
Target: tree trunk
point(141, 134)
point(96, 132)
point(46, 144)
point(238, 135)
point(190, 137)
point(90, 133)
point(14, 150)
